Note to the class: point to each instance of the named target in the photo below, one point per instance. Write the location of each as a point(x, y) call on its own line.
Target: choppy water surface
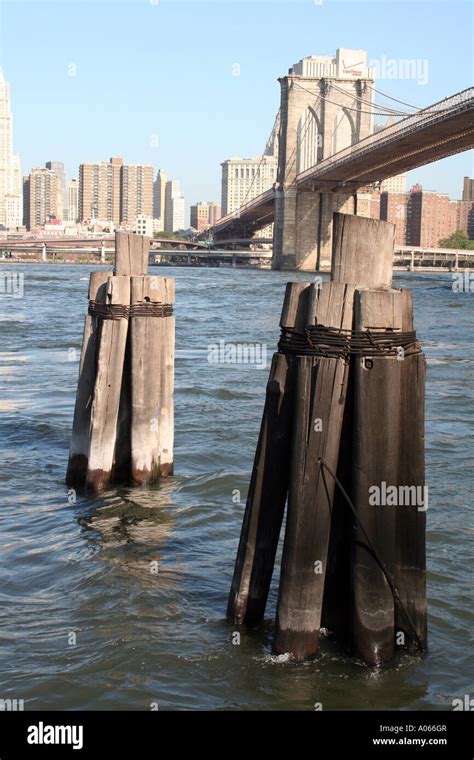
point(85, 568)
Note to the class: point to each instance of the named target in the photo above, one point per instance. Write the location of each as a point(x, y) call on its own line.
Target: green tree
point(458, 239)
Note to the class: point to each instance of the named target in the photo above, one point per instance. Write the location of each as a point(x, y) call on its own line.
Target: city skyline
point(157, 119)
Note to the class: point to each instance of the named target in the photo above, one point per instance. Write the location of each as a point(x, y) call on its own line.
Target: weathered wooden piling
point(131, 254)
point(152, 346)
point(108, 386)
point(269, 482)
point(410, 561)
point(376, 447)
point(79, 448)
point(319, 409)
point(345, 556)
point(389, 567)
point(321, 385)
point(166, 418)
point(123, 422)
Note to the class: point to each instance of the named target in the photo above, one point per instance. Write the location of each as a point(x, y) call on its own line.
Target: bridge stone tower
point(326, 105)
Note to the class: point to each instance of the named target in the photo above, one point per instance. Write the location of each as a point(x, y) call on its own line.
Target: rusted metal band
point(319, 340)
point(151, 309)
point(108, 310)
point(118, 311)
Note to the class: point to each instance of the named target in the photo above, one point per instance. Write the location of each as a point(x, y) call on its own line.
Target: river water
point(85, 624)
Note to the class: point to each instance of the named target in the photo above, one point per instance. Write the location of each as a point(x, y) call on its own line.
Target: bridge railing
point(458, 102)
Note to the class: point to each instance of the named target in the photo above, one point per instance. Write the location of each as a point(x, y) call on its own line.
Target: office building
point(245, 178)
point(174, 207)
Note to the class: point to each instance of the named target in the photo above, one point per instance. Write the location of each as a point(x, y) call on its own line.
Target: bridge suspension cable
point(377, 112)
point(402, 102)
point(423, 112)
point(388, 109)
point(261, 159)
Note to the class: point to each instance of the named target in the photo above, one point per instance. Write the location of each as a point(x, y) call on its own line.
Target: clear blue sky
point(165, 69)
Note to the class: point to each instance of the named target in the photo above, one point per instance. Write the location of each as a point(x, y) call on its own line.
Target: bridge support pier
point(303, 228)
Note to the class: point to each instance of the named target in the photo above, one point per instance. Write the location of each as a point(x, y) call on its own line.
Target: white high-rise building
point(245, 178)
point(73, 201)
point(159, 190)
point(174, 207)
point(14, 200)
point(10, 171)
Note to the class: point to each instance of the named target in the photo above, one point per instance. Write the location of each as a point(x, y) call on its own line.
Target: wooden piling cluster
point(345, 403)
point(123, 419)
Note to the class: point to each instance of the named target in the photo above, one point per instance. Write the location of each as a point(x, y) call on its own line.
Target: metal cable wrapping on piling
point(339, 343)
point(119, 311)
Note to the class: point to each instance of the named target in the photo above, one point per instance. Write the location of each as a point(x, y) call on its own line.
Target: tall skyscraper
point(42, 197)
point(159, 190)
point(73, 201)
point(10, 172)
point(58, 168)
point(245, 178)
point(174, 207)
point(100, 191)
point(136, 192)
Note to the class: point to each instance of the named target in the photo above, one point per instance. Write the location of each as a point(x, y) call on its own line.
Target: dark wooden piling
point(269, 482)
point(377, 389)
point(321, 385)
point(80, 437)
point(362, 255)
point(410, 564)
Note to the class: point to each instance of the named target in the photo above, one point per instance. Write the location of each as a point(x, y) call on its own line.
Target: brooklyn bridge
point(328, 151)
